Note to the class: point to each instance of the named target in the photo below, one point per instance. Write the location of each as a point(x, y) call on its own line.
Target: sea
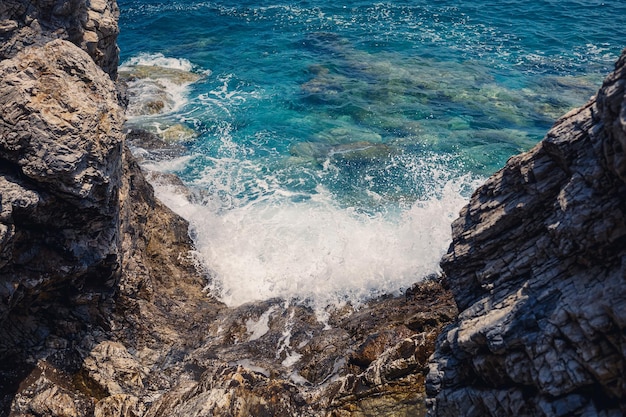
point(326, 146)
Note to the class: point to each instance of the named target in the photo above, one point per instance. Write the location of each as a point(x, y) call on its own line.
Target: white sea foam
point(258, 328)
point(156, 87)
point(314, 250)
point(157, 60)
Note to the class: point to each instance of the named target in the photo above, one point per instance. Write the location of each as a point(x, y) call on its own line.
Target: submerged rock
point(537, 269)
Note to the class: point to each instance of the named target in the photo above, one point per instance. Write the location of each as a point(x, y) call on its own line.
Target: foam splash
point(157, 60)
point(158, 84)
point(315, 251)
point(258, 328)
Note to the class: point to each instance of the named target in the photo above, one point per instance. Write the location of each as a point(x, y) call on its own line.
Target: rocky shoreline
point(103, 312)
point(537, 268)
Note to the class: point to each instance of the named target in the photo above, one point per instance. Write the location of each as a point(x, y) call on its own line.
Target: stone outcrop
point(538, 269)
point(89, 24)
point(268, 359)
point(60, 152)
point(88, 256)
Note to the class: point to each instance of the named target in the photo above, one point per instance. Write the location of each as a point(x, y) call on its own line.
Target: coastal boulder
point(89, 24)
point(60, 173)
point(537, 267)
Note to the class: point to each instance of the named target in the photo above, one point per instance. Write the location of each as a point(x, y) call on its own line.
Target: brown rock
point(48, 391)
point(120, 405)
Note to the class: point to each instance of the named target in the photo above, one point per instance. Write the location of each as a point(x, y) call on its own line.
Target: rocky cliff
point(102, 308)
point(538, 269)
point(89, 24)
point(88, 256)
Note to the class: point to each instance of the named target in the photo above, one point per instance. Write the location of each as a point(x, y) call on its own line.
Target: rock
point(120, 405)
point(233, 392)
point(48, 391)
point(154, 90)
point(96, 276)
point(111, 366)
point(177, 133)
point(89, 24)
point(60, 211)
point(153, 72)
point(147, 146)
point(537, 269)
point(270, 359)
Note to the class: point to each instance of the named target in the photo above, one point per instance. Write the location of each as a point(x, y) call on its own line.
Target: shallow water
point(331, 144)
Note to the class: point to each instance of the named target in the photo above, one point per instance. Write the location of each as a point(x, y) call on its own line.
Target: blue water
point(330, 144)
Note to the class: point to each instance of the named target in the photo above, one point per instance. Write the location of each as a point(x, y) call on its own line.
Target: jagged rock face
point(267, 358)
point(89, 24)
point(538, 269)
point(60, 159)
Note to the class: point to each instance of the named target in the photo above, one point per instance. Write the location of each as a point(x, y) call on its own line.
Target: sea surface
point(328, 145)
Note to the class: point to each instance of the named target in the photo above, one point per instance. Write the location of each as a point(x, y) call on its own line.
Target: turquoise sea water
point(330, 144)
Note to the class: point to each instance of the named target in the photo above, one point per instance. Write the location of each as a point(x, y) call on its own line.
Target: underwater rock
point(361, 151)
point(177, 133)
point(537, 269)
point(153, 89)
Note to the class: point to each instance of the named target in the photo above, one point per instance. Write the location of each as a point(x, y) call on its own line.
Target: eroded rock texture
point(538, 269)
point(89, 24)
point(267, 358)
point(60, 153)
point(60, 173)
point(88, 256)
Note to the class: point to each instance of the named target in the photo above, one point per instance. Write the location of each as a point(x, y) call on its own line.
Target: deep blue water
point(331, 143)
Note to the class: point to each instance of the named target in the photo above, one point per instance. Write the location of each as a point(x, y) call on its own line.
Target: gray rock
point(59, 186)
point(89, 24)
point(537, 269)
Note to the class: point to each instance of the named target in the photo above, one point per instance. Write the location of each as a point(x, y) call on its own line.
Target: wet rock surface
point(271, 358)
point(537, 269)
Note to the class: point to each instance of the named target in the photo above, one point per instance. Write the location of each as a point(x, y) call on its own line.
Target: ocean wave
point(307, 247)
